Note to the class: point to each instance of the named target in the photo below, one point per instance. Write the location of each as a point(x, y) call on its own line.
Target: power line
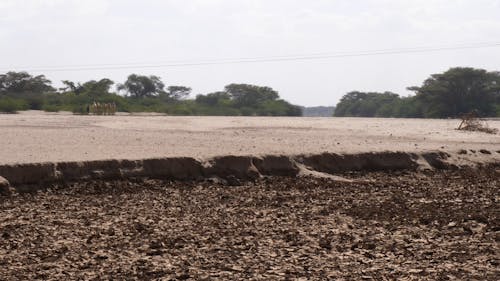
point(283, 58)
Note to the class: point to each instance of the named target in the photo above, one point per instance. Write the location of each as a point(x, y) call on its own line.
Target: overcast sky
point(59, 34)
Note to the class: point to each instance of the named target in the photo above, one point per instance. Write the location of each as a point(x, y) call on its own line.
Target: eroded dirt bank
point(31, 176)
point(437, 225)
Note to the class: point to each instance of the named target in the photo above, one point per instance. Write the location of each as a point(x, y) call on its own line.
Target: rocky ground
point(380, 226)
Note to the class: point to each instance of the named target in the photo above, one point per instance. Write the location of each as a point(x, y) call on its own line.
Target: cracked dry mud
point(382, 226)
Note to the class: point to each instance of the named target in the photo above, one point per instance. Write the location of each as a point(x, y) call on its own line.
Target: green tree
point(408, 107)
point(18, 83)
point(98, 88)
point(459, 90)
point(71, 87)
point(175, 93)
point(22, 85)
point(139, 86)
point(91, 88)
point(361, 104)
point(213, 99)
point(245, 95)
point(278, 108)
point(21, 91)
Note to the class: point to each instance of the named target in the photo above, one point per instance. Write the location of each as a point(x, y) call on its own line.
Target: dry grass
point(471, 122)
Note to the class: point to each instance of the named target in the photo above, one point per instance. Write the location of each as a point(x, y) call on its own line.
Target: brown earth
point(30, 176)
point(435, 225)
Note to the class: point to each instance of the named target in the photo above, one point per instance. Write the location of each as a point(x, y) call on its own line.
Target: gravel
point(441, 225)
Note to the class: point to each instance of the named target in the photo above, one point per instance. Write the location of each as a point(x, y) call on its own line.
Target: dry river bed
point(34, 136)
point(442, 225)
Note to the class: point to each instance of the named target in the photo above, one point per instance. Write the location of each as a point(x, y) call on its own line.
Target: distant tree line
point(450, 94)
point(22, 91)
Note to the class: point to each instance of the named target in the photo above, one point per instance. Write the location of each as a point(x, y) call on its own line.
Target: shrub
point(50, 108)
point(10, 105)
point(79, 109)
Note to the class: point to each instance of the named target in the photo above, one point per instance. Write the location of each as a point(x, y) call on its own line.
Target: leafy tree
point(178, 92)
point(278, 108)
point(360, 104)
point(97, 88)
point(459, 90)
point(449, 94)
point(21, 91)
point(16, 83)
point(91, 88)
point(21, 85)
point(245, 95)
point(71, 87)
point(294, 110)
point(213, 99)
point(408, 107)
point(139, 86)
point(246, 100)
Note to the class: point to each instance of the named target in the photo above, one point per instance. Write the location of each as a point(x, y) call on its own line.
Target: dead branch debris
point(472, 122)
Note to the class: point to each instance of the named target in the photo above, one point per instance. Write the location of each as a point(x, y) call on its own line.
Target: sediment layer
point(236, 167)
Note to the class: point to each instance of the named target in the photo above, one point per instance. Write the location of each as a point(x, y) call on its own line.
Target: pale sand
point(40, 137)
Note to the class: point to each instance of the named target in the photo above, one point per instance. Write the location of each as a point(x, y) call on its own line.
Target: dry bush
point(471, 122)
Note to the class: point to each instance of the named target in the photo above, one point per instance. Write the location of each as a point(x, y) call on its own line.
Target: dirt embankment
point(235, 168)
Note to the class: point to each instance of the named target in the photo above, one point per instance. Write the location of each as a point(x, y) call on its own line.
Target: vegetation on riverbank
point(22, 91)
point(450, 94)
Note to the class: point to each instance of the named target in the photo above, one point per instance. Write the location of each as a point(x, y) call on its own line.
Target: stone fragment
point(5, 189)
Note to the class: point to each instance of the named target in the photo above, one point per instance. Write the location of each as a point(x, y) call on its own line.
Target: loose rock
point(5, 189)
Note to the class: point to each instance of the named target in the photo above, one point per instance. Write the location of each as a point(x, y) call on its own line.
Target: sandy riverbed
point(38, 137)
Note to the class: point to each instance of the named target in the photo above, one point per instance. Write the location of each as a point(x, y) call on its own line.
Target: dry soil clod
point(5, 189)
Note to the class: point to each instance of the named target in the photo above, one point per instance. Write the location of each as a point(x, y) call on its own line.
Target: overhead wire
point(245, 60)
